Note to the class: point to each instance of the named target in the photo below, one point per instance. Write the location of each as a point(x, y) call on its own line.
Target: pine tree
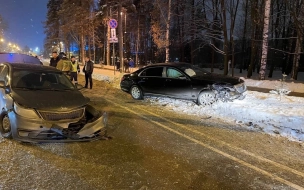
point(52, 25)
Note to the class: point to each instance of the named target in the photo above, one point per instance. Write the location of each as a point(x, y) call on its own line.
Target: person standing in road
point(64, 65)
point(88, 70)
point(75, 68)
point(55, 59)
point(131, 64)
point(126, 65)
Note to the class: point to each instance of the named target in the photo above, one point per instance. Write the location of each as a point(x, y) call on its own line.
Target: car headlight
point(24, 112)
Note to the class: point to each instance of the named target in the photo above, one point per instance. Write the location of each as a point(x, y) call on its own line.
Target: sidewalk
point(106, 72)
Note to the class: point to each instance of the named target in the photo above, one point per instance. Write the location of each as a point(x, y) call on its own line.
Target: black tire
point(5, 126)
point(206, 98)
point(136, 93)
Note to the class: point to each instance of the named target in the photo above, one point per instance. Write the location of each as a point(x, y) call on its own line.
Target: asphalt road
point(152, 148)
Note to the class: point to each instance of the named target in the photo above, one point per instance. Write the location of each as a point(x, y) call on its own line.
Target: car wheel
point(136, 93)
point(206, 98)
point(5, 126)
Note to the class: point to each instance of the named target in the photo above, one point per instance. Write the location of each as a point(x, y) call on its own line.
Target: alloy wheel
point(136, 92)
point(206, 98)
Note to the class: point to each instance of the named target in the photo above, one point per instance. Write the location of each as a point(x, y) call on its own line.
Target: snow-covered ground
point(273, 114)
point(265, 112)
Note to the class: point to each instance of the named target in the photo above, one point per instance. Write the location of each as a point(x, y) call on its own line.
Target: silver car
point(40, 104)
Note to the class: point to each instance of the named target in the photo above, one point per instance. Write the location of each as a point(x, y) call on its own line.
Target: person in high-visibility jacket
point(74, 69)
point(64, 65)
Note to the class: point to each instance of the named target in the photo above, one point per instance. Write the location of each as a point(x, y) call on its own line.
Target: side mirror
point(5, 87)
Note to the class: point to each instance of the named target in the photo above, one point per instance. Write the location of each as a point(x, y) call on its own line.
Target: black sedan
point(182, 81)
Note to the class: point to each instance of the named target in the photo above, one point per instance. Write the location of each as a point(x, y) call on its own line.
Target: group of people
point(71, 68)
point(128, 64)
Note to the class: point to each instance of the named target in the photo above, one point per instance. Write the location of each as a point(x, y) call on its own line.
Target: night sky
point(24, 18)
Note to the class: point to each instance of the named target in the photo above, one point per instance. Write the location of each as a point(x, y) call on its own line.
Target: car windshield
point(193, 70)
point(40, 80)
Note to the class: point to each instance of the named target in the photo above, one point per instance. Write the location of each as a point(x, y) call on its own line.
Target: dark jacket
point(88, 67)
point(54, 61)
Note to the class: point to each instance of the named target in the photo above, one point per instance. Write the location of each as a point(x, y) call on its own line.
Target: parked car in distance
point(40, 104)
point(182, 81)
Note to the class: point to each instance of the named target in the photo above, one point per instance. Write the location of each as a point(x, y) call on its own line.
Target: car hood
point(217, 78)
point(49, 100)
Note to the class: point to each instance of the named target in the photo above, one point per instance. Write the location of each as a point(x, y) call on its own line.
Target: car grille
point(240, 88)
point(57, 116)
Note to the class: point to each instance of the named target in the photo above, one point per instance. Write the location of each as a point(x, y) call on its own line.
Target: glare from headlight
point(24, 112)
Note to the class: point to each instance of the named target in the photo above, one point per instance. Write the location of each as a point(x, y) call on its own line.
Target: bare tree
point(297, 13)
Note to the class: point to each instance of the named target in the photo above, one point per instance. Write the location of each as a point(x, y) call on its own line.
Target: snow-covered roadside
point(266, 112)
point(258, 111)
point(272, 84)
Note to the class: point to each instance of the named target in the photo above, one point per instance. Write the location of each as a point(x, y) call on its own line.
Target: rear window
point(153, 72)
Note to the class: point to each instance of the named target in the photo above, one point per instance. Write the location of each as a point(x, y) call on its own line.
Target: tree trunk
point(168, 33)
point(82, 45)
point(108, 41)
point(275, 34)
point(213, 40)
point(120, 38)
point(192, 32)
point(265, 40)
point(224, 27)
point(233, 12)
point(296, 57)
point(253, 47)
point(244, 37)
point(137, 43)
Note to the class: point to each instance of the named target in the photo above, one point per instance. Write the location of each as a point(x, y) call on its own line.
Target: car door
point(151, 80)
point(177, 84)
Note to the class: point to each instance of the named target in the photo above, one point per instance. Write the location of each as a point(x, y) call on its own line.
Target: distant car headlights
point(24, 112)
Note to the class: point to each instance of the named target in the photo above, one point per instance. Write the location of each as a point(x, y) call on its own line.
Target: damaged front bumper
point(226, 92)
point(27, 130)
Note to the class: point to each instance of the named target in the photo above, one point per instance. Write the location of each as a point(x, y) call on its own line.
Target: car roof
point(177, 64)
point(33, 67)
point(18, 58)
